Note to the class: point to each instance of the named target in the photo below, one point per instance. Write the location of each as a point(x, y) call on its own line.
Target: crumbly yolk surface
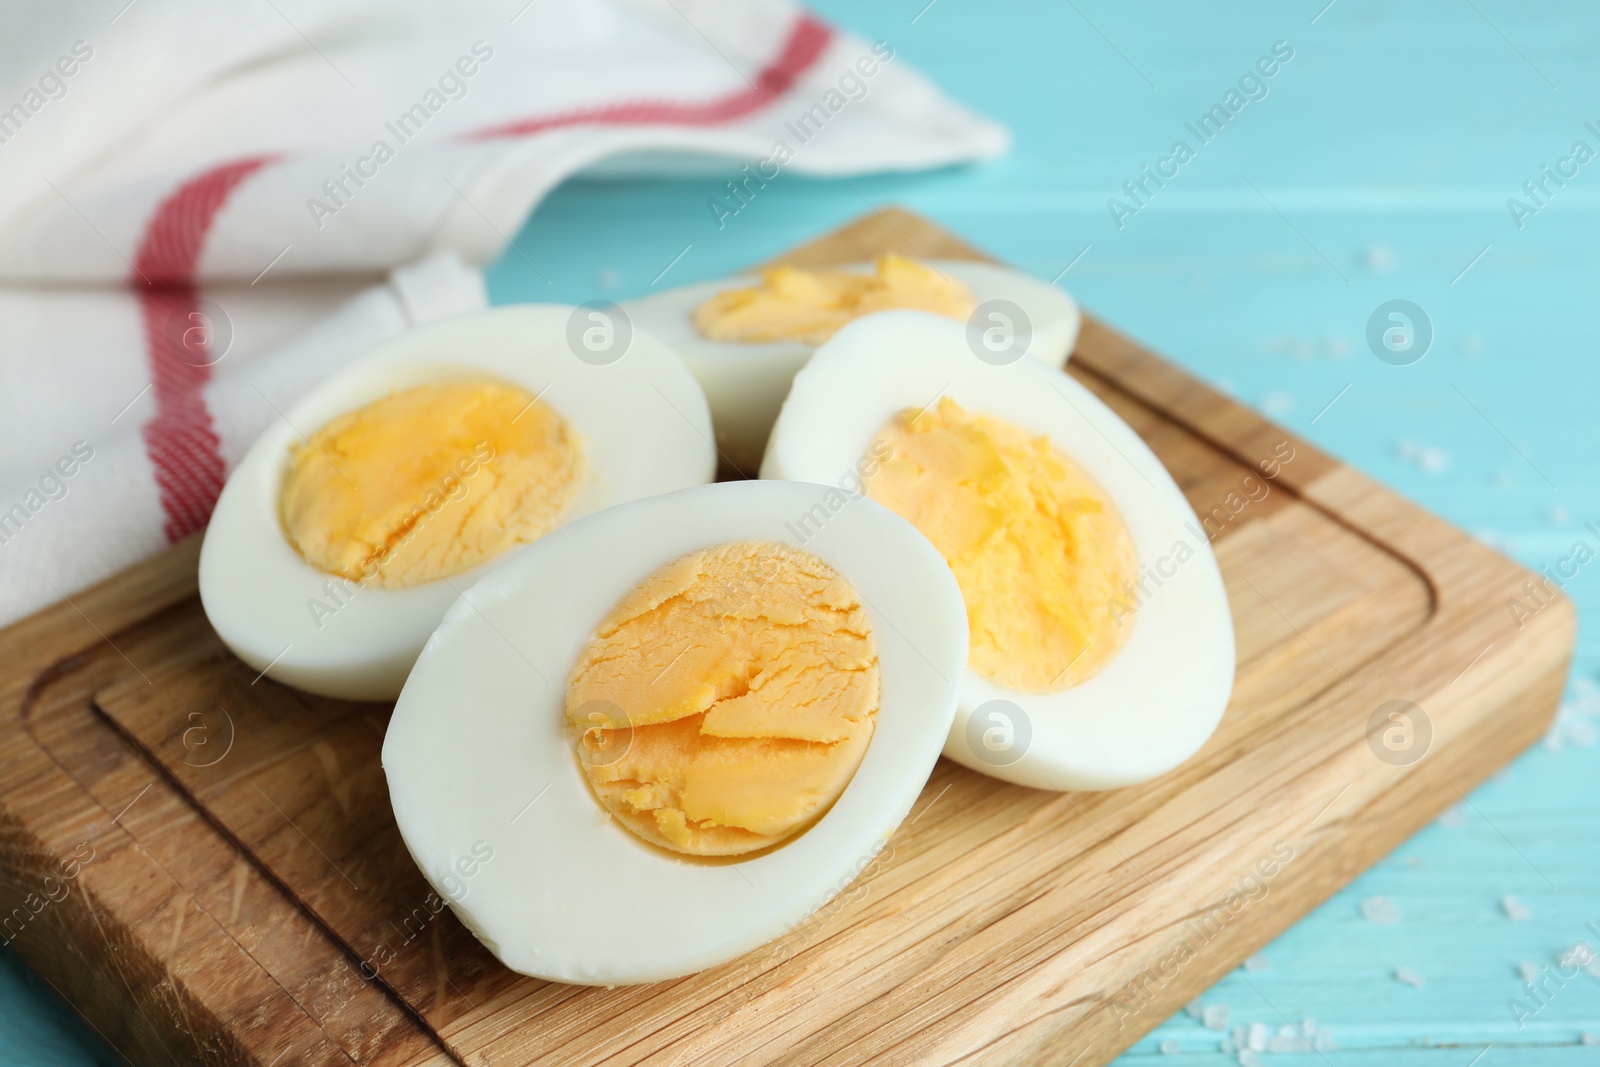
point(428, 482)
point(726, 702)
point(1039, 551)
point(791, 304)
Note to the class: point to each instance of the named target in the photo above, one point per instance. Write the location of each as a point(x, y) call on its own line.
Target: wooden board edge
point(1377, 827)
point(43, 651)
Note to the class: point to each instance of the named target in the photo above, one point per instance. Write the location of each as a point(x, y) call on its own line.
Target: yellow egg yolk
point(810, 306)
point(726, 702)
point(428, 482)
point(1039, 551)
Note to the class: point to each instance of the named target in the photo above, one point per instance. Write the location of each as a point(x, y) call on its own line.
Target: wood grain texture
point(260, 905)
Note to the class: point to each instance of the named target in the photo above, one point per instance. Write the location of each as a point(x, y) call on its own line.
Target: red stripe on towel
point(806, 42)
point(181, 439)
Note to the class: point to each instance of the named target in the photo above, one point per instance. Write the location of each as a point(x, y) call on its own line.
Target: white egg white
point(1162, 694)
point(745, 383)
point(642, 427)
point(479, 761)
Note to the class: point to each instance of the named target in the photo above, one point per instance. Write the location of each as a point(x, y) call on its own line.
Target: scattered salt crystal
point(1241, 1037)
point(1170, 1048)
point(1559, 516)
point(1308, 1026)
point(1284, 345)
point(1215, 1017)
point(1429, 460)
point(1338, 347)
point(1380, 257)
point(1257, 1039)
point(1277, 403)
point(1258, 962)
point(1501, 480)
point(1325, 1043)
point(1226, 1046)
point(1590, 1039)
point(1380, 910)
point(1193, 1009)
point(1247, 1058)
point(1515, 909)
point(1408, 976)
point(1290, 1042)
point(1577, 719)
point(1453, 816)
point(1585, 697)
point(1528, 972)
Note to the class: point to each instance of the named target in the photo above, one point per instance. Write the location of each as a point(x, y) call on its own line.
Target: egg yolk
point(428, 482)
point(1040, 553)
point(726, 702)
point(791, 304)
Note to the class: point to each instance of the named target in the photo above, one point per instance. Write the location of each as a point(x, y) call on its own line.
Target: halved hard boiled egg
point(1102, 648)
point(684, 733)
point(357, 518)
point(744, 338)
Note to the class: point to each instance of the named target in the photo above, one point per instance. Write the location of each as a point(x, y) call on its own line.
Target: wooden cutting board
point(205, 865)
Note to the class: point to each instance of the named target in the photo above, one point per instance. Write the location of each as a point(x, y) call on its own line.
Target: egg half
point(1102, 641)
point(745, 381)
point(575, 888)
point(356, 519)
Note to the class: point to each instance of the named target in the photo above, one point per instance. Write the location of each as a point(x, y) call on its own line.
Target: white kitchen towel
point(187, 189)
point(110, 491)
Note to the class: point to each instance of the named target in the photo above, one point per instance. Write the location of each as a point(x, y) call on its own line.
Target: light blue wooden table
point(1377, 167)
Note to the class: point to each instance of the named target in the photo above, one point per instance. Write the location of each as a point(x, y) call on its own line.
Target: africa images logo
point(1208, 126)
point(343, 187)
point(50, 87)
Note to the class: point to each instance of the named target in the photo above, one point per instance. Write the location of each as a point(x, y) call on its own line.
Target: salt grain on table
point(1380, 910)
point(1515, 910)
point(1408, 976)
point(1288, 1042)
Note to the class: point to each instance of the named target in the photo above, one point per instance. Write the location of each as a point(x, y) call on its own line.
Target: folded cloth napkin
point(199, 205)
